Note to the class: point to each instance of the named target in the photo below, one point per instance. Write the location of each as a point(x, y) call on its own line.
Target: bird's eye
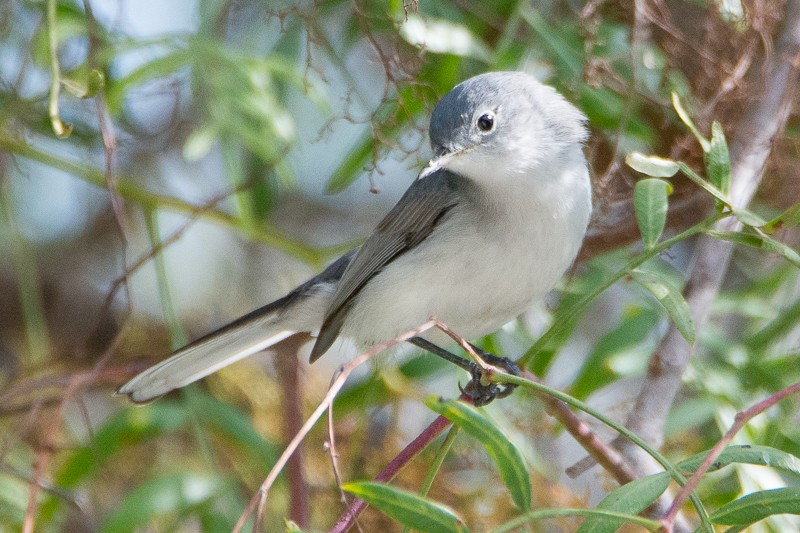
point(486, 122)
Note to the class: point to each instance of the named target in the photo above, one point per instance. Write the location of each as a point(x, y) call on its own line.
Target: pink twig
point(346, 520)
point(739, 422)
point(259, 500)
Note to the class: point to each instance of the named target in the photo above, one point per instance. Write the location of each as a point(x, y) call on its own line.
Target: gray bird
point(484, 232)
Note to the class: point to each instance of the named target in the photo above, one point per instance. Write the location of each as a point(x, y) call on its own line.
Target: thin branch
point(435, 429)
point(334, 455)
point(106, 126)
point(750, 148)
point(262, 233)
point(259, 500)
point(289, 371)
point(739, 422)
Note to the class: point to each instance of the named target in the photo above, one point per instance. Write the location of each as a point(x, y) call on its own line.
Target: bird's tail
point(250, 334)
point(302, 310)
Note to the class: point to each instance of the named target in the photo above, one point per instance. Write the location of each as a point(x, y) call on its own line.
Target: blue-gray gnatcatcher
point(486, 230)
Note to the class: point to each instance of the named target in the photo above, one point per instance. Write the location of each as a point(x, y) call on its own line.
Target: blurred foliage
point(186, 91)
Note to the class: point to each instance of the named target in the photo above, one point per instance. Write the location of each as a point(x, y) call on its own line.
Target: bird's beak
point(439, 160)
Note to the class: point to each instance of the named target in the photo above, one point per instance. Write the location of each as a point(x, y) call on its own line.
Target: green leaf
point(168, 494)
point(517, 523)
point(745, 216)
point(718, 160)
point(746, 454)
point(86, 86)
point(708, 187)
point(637, 495)
point(774, 331)
point(652, 165)
point(748, 218)
point(567, 54)
point(503, 452)
point(13, 501)
point(161, 67)
point(352, 166)
point(787, 219)
point(625, 343)
point(292, 527)
point(671, 298)
point(684, 116)
point(650, 202)
point(127, 428)
point(235, 425)
point(409, 509)
point(760, 241)
point(441, 36)
point(70, 23)
point(759, 505)
point(199, 143)
point(631, 498)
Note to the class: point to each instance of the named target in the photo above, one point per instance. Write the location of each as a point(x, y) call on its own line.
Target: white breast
point(482, 267)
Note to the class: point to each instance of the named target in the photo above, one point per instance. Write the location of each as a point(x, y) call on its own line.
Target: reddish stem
point(347, 519)
point(738, 423)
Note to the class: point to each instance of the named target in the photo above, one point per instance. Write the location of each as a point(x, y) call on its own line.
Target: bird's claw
point(482, 392)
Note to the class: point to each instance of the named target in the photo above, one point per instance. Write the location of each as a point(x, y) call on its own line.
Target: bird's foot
point(482, 391)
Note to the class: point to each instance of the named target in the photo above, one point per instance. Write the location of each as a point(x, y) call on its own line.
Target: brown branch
point(289, 371)
point(750, 148)
point(259, 500)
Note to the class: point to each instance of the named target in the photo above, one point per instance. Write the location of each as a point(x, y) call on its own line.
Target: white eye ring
point(485, 122)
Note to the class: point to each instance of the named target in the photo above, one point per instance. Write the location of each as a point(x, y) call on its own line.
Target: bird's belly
point(474, 290)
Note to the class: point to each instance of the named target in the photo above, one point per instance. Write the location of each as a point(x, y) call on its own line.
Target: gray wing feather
point(410, 221)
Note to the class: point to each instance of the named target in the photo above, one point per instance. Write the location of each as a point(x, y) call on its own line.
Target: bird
point(484, 232)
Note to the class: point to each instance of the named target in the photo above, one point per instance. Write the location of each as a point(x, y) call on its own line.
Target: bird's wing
point(409, 223)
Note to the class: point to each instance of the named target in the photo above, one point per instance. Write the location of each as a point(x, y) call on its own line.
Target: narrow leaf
point(517, 523)
point(753, 455)
point(748, 218)
point(125, 429)
point(441, 36)
point(652, 165)
point(787, 219)
point(671, 298)
point(759, 505)
point(684, 116)
point(760, 241)
point(503, 452)
point(409, 509)
point(718, 160)
point(171, 493)
point(84, 88)
point(650, 202)
point(160, 67)
point(631, 498)
point(352, 166)
point(199, 143)
point(619, 352)
point(708, 187)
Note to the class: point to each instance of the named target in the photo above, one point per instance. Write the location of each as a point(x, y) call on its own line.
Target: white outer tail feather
point(197, 361)
point(300, 311)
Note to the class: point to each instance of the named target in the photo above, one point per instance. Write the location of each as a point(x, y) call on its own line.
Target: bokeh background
point(203, 157)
